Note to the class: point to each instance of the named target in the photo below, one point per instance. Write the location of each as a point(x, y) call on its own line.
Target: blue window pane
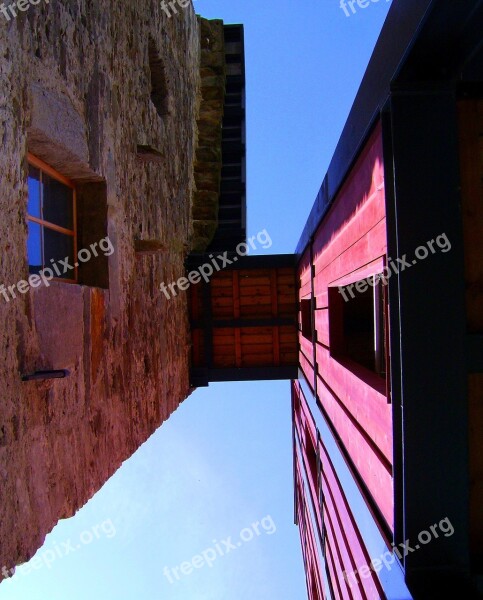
point(58, 202)
point(34, 247)
point(34, 192)
point(58, 246)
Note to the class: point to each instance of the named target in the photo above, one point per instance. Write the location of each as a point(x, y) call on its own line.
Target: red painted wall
point(349, 245)
point(334, 522)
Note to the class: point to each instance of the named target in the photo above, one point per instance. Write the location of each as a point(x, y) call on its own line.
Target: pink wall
point(349, 245)
point(335, 523)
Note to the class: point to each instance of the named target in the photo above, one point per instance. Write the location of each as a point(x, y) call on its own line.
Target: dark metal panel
point(252, 322)
point(393, 301)
point(233, 139)
point(475, 353)
point(201, 377)
point(431, 326)
point(237, 261)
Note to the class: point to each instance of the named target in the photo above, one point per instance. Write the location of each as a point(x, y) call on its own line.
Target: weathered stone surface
point(75, 89)
point(208, 153)
point(148, 246)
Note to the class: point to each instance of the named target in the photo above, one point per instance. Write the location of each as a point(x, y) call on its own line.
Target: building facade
point(387, 410)
point(108, 113)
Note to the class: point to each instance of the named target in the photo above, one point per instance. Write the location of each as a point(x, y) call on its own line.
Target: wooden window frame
point(51, 172)
point(380, 382)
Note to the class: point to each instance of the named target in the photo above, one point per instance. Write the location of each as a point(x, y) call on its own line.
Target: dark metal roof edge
point(399, 33)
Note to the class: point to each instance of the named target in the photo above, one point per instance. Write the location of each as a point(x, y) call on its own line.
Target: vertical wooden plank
point(208, 329)
point(276, 329)
point(236, 315)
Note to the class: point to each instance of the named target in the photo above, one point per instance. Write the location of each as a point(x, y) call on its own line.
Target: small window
point(358, 323)
point(159, 84)
point(51, 218)
point(306, 317)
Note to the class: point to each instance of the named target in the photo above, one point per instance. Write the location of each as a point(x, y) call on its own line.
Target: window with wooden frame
point(51, 218)
point(358, 325)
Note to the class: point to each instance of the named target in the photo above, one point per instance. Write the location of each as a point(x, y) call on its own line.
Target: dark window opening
point(358, 324)
point(306, 317)
point(312, 459)
point(159, 84)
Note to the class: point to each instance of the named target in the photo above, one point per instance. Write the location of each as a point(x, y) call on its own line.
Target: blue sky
point(221, 466)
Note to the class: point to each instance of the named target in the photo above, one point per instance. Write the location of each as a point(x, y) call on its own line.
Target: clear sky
point(214, 483)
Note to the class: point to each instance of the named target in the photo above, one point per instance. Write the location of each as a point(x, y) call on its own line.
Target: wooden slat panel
point(342, 534)
point(331, 563)
point(363, 252)
point(342, 560)
point(307, 369)
point(367, 405)
point(286, 280)
point(365, 181)
point(256, 331)
point(306, 348)
point(254, 339)
point(222, 292)
point(361, 223)
point(224, 361)
point(251, 294)
point(256, 301)
point(322, 326)
point(347, 534)
point(288, 357)
point(249, 273)
point(218, 282)
point(254, 290)
point(258, 360)
point(260, 311)
point(257, 350)
point(370, 463)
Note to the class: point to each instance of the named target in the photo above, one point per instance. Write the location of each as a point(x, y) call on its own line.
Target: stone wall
point(76, 80)
point(209, 149)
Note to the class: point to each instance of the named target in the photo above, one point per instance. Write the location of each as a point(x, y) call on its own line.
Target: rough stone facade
point(209, 149)
point(108, 93)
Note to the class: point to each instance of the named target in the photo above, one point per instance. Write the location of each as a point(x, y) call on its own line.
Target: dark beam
point(261, 261)
point(233, 323)
point(200, 377)
point(431, 361)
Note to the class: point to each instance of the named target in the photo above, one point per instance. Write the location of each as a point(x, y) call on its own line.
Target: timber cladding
point(349, 245)
point(245, 318)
